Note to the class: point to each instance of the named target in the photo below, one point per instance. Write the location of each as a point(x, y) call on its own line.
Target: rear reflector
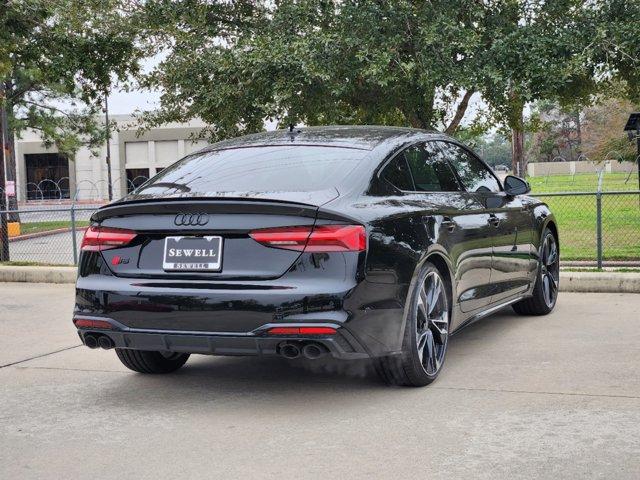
point(86, 323)
point(103, 238)
point(322, 238)
point(302, 331)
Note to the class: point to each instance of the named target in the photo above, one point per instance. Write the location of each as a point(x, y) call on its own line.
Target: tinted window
point(475, 176)
point(430, 171)
point(298, 168)
point(397, 174)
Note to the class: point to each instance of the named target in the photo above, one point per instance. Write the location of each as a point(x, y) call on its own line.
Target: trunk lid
point(231, 218)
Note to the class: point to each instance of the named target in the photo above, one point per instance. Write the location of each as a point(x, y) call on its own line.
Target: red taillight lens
point(301, 331)
point(86, 323)
point(291, 238)
point(104, 238)
point(322, 238)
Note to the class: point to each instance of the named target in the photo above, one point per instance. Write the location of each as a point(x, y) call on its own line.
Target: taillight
point(301, 331)
point(322, 238)
point(86, 323)
point(104, 238)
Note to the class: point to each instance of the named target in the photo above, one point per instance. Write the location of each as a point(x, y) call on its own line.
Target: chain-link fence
point(594, 227)
point(597, 226)
point(46, 236)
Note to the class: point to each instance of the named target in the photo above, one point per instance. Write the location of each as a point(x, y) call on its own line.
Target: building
point(42, 173)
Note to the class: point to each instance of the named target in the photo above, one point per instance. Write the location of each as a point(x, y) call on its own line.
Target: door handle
point(449, 224)
point(493, 220)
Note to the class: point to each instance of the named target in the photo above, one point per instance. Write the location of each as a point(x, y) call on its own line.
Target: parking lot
point(520, 397)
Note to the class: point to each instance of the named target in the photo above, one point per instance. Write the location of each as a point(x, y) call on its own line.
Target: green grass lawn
point(584, 182)
point(576, 217)
point(37, 227)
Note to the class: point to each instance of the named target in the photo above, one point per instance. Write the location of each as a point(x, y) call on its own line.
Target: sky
point(121, 102)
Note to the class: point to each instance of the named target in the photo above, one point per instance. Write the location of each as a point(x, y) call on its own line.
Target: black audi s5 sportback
point(354, 242)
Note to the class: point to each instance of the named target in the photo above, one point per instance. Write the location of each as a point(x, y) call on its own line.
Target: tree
point(603, 136)
point(558, 132)
point(566, 51)
point(57, 60)
point(317, 62)
point(538, 54)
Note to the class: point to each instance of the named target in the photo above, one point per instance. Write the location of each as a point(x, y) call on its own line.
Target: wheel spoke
point(422, 304)
point(422, 341)
point(432, 291)
point(553, 255)
point(546, 289)
point(432, 359)
point(438, 327)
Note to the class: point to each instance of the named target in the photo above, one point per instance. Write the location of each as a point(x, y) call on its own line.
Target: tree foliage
point(57, 60)
point(406, 62)
point(318, 62)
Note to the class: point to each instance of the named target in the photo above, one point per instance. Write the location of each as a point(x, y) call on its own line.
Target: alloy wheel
point(550, 270)
point(432, 323)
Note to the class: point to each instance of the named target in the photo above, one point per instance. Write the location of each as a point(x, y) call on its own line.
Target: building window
point(47, 176)
point(136, 177)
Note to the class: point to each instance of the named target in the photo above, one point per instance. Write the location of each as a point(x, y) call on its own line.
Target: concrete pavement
point(55, 249)
point(520, 397)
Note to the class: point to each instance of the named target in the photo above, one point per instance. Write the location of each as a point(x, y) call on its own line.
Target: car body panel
point(363, 294)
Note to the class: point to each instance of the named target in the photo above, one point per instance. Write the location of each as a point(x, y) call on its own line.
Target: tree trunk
point(459, 115)
point(8, 144)
point(516, 122)
point(517, 151)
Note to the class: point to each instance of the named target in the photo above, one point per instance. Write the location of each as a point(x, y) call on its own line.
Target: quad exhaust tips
point(95, 341)
point(310, 350)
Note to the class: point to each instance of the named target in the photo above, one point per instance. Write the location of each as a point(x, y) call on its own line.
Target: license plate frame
point(208, 262)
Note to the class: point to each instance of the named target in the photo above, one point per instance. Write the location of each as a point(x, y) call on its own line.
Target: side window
point(430, 171)
point(475, 176)
point(397, 174)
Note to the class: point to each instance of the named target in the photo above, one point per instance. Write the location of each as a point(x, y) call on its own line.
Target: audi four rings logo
point(191, 219)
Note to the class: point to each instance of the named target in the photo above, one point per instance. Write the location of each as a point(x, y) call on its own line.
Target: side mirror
point(516, 186)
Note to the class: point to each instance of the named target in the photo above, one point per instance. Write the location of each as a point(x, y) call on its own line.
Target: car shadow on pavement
point(207, 377)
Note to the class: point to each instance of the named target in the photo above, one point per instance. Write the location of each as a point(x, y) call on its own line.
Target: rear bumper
point(226, 317)
point(341, 345)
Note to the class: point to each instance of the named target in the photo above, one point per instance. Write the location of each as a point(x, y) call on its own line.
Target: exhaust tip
point(105, 342)
point(289, 350)
point(91, 341)
point(313, 351)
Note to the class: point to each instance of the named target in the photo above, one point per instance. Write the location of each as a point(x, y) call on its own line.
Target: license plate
point(192, 254)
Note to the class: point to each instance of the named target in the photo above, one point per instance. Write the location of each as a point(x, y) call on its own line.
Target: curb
point(604, 282)
point(33, 274)
point(46, 233)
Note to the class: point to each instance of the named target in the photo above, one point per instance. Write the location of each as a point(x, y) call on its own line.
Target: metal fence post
point(599, 221)
point(73, 234)
point(4, 234)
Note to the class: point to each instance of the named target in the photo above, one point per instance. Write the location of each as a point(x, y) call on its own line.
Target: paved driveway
point(55, 249)
point(537, 397)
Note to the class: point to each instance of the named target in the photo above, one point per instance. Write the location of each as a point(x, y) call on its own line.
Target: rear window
point(295, 168)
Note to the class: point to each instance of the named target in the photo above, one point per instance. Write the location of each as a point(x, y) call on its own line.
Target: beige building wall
point(541, 169)
point(152, 151)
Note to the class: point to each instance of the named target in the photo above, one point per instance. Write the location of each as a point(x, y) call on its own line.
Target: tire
point(545, 291)
point(142, 361)
point(426, 331)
